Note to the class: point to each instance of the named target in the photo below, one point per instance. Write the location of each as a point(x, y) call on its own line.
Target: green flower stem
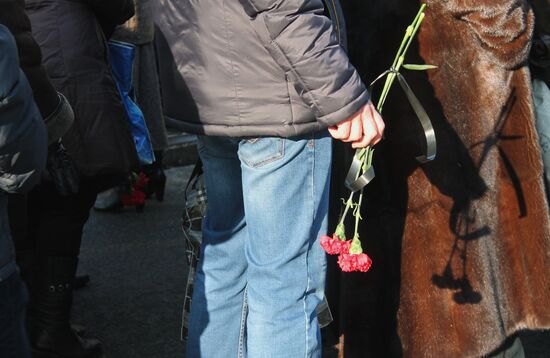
point(410, 33)
point(365, 155)
point(349, 203)
point(357, 214)
point(417, 22)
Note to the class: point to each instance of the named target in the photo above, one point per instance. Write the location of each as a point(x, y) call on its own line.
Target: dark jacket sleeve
point(53, 108)
point(13, 16)
point(111, 13)
point(302, 41)
point(23, 145)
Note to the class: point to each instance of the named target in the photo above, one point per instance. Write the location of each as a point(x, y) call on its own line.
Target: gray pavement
point(138, 271)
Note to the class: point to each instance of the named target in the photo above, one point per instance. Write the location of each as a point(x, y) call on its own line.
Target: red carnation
point(354, 262)
point(333, 245)
point(363, 262)
point(345, 246)
point(345, 261)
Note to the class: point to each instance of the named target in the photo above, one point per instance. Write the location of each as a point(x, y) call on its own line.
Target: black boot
point(156, 176)
point(49, 313)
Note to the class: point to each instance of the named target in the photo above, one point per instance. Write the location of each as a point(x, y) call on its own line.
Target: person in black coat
point(52, 105)
point(102, 150)
point(22, 157)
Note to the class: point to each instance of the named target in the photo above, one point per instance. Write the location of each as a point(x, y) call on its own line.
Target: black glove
point(61, 169)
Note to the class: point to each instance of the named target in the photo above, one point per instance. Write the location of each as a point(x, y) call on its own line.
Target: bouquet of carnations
point(351, 255)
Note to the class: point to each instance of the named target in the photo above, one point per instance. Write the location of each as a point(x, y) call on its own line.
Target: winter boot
point(50, 331)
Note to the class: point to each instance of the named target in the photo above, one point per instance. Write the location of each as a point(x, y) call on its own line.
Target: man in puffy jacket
point(22, 157)
point(267, 79)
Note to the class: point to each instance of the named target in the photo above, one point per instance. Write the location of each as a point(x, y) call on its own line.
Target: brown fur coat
point(461, 245)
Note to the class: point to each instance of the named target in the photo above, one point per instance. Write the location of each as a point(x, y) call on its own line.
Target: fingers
point(356, 130)
point(369, 134)
point(373, 128)
point(363, 129)
point(348, 130)
point(341, 130)
point(379, 123)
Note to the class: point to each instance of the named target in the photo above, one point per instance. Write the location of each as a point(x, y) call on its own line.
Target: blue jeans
point(541, 99)
point(262, 271)
point(13, 334)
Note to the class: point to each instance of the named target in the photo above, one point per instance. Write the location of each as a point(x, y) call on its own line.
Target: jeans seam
point(312, 202)
point(243, 323)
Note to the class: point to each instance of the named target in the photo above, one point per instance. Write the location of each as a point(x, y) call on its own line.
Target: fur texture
point(461, 245)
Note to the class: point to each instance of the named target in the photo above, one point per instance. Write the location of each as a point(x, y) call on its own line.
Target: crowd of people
point(61, 48)
point(275, 92)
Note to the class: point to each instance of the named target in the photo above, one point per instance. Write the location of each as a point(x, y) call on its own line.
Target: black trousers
point(47, 223)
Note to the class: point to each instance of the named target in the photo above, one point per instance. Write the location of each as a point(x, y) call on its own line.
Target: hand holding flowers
point(364, 129)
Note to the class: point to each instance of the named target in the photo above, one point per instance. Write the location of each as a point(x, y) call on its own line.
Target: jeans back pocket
point(258, 152)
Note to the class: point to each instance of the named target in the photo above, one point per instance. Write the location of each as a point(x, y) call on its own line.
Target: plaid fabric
point(191, 223)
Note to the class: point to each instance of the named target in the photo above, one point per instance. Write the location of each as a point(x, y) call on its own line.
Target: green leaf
point(419, 67)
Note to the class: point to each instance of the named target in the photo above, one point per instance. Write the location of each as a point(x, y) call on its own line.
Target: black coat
point(75, 56)
point(55, 110)
point(12, 15)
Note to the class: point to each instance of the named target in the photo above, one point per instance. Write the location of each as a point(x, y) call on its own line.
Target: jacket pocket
point(258, 152)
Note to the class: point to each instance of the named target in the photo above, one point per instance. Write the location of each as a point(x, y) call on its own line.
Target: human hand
point(362, 129)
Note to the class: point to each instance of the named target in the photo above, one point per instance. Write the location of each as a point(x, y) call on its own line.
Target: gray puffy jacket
point(260, 67)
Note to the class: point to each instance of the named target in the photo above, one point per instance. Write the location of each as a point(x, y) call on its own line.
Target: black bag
point(191, 223)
